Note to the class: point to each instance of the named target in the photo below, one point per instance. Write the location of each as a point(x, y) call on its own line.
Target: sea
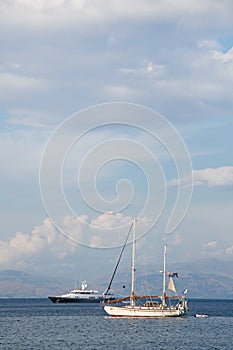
point(40, 324)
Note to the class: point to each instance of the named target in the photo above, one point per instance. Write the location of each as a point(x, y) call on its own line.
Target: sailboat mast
point(132, 300)
point(164, 274)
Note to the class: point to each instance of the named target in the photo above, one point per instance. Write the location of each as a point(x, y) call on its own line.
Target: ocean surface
point(39, 324)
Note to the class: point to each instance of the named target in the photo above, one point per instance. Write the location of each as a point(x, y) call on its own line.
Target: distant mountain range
point(20, 284)
point(205, 278)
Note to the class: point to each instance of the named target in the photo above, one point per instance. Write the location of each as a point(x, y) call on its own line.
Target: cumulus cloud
point(210, 245)
point(229, 250)
point(111, 220)
point(74, 226)
point(110, 229)
point(211, 177)
point(43, 246)
point(210, 248)
point(48, 246)
point(23, 246)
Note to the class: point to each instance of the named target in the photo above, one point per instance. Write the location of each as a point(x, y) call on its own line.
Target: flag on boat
point(173, 274)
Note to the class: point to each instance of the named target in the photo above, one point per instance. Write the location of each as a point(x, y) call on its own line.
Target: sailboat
point(153, 305)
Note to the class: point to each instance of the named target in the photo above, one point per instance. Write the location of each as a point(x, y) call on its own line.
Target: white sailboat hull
point(143, 311)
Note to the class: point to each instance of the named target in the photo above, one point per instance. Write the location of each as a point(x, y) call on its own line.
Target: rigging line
point(118, 261)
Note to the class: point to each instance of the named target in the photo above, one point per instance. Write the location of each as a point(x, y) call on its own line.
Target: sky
point(111, 110)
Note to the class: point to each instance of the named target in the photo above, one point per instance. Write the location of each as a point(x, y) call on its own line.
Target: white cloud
point(224, 56)
point(229, 250)
point(46, 245)
point(211, 177)
point(222, 176)
point(210, 245)
point(146, 69)
point(111, 229)
point(210, 248)
point(111, 220)
point(74, 226)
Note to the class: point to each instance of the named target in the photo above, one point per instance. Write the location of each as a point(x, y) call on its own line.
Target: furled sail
point(171, 285)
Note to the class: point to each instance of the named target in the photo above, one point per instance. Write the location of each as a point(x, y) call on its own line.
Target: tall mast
point(132, 300)
point(164, 274)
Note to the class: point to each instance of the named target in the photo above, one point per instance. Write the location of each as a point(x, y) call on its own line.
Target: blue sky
point(60, 57)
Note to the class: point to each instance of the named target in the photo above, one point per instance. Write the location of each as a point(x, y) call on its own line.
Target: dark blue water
point(39, 324)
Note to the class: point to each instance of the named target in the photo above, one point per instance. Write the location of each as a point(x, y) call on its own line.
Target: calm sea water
point(39, 324)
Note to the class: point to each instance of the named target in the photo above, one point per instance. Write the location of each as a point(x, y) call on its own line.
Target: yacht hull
point(140, 311)
point(60, 300)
